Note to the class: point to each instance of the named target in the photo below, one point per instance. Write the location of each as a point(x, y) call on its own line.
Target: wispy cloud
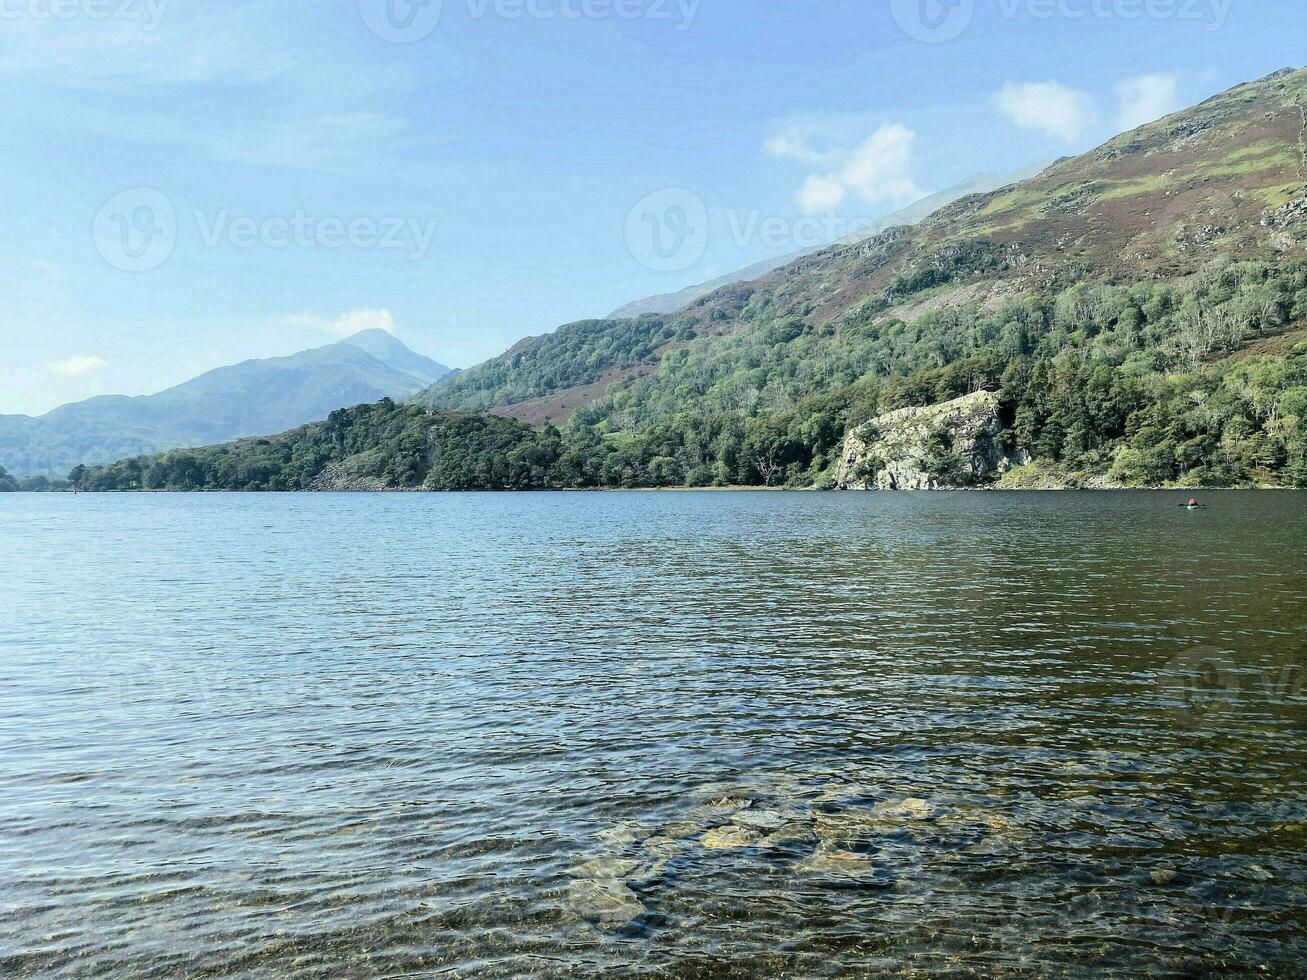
point(820, 194)
point(1050, 107)
point(1145, 99)
point(262, 98)
point(881, 169)
point(77, 366)
point(793, 144)
point(344, 325)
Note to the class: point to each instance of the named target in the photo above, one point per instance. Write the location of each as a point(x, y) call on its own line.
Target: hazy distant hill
point(671, 302)
point(256, 397)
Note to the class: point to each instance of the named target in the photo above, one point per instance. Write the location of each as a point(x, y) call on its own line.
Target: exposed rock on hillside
point(341, 478)
point(950, 445)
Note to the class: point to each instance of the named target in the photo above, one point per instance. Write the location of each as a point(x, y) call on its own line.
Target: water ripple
point(679, 735)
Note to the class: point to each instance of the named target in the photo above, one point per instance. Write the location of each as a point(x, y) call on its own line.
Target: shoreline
point(683, 489)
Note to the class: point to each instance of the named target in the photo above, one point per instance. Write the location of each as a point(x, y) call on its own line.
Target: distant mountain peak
point(373, 334)
point(252, 398)
point(391, 351)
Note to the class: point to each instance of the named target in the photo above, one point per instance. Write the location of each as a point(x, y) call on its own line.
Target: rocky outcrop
point(340, 478)
point(952, 445)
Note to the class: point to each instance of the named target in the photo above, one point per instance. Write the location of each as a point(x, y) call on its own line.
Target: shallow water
point(655, 734)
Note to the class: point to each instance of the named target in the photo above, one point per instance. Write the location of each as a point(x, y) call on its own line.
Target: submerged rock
point(849, 793)
point(905, 810)
point(760, 819)
point(723, 806)
point(676, 830)
point(605, 867)
point(729, 838)
point(1163, 876)
point(856, 823)
point(839, 865)
point(664, 847)
point(791, 837)
point(627, 832)
point(604, 902)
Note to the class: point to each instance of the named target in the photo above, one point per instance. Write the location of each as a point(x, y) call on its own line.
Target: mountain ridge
point(259, 396)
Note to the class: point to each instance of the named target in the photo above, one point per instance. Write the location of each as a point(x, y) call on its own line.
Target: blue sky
point(187, 184)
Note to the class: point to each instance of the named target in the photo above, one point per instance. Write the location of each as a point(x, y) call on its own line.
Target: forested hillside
point(396, 445)
point(1140, 309)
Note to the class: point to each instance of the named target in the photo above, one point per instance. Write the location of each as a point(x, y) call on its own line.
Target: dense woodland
point(30, 484)
point(577, 354)
point(1134, 384)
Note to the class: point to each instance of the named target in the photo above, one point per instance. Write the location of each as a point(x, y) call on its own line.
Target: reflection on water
point(665, 734)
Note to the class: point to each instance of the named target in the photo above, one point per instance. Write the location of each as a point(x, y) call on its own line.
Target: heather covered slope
point(1224, 181)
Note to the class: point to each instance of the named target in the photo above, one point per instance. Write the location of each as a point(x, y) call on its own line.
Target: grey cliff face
point(952, 445)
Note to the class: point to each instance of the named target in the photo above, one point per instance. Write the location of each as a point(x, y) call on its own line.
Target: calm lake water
point(653, 734)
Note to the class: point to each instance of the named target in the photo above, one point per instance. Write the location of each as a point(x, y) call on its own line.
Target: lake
point(663, 734)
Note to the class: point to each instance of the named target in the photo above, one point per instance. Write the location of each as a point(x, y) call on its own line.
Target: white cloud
point(1145, 99)
point(879, 170)
point(344, 325)
point(819, 194)
point(794, 145)
point(1049, 107)
point(77, 366)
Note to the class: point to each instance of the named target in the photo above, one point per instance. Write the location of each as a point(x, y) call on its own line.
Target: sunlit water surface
point(653, 734)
